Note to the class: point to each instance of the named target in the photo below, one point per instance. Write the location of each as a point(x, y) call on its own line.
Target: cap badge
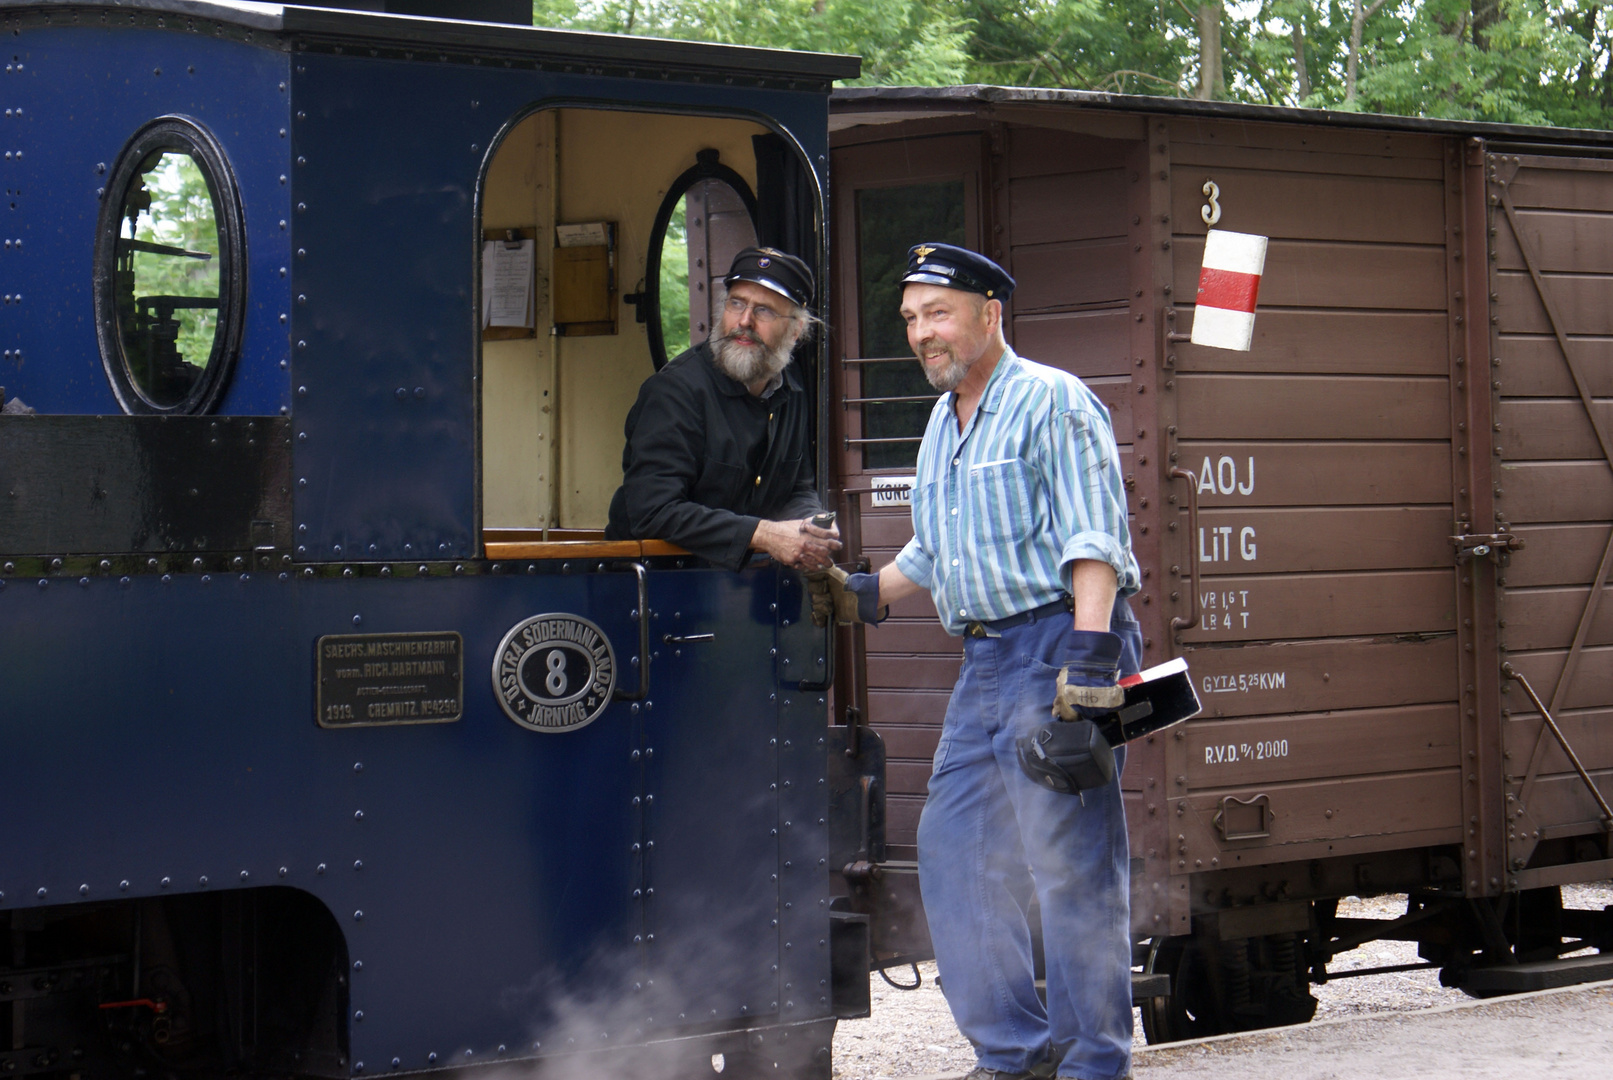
point(923, 251)
point(764, 262)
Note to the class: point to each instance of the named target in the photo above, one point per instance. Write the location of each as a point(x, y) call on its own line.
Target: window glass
point(717, 226)
point(705, 220)
point(166, 281)
point(889, 221)
point(675, 301)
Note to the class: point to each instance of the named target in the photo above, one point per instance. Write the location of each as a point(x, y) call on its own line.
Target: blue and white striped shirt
point(1002, 510)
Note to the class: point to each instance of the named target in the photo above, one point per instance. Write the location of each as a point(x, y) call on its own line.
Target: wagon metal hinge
point(1477, 545)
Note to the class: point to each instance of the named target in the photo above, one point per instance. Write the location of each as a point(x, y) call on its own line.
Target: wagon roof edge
point(887, 101)
point(375, 27)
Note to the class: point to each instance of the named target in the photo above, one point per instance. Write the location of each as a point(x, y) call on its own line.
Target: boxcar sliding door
point(1551, 279)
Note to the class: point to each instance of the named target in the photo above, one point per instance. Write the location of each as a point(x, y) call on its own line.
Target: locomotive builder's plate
point(371, 679)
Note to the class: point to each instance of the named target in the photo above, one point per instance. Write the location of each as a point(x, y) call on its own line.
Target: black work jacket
point(705, 460)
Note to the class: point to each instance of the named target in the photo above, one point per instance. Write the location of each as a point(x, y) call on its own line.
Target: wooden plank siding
point(1554, 486)
point(1323, 465)
point(1405, 384)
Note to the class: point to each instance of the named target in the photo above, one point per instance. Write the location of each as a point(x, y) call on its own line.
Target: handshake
point(845, 598)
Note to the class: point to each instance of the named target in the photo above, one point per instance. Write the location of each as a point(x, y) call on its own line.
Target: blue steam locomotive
point(334, 738)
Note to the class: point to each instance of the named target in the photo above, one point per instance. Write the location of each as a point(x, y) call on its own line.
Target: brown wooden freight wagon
point(1377, 537)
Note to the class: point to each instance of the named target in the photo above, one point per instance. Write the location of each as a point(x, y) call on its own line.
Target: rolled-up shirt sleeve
point(916, 564)
point(1082, 463)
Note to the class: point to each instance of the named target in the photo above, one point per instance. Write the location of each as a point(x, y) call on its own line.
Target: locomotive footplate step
point(1540, 975)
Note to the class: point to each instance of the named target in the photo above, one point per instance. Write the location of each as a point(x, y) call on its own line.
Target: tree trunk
point(1358, 20)
point(1486, 13)
point(1302, 74)
point(1212, 86)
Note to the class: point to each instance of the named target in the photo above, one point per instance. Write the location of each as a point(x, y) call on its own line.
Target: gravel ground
point(1566, 1032)
point(911, 1033)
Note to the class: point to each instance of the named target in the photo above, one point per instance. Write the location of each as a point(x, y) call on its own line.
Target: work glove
point(1086, 689)
point(1067, 756)
point(1070, 754)
point(847, 598)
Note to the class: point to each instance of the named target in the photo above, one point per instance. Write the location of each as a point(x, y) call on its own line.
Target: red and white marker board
point(1228, 285)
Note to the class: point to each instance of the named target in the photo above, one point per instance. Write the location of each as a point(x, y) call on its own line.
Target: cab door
point(735, 805)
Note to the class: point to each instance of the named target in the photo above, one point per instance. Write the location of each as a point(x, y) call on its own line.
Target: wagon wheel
point(1190, 1011)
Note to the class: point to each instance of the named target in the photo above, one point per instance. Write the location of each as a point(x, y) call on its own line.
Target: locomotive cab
point(633, 217)
point(384, 760)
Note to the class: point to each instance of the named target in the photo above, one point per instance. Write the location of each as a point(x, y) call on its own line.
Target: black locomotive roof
point(616, 52)
point(862, 105)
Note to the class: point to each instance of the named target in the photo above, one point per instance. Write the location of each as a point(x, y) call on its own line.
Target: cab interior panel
point(554, 403)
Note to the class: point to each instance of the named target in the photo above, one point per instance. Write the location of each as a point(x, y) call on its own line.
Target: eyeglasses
point(760, 312)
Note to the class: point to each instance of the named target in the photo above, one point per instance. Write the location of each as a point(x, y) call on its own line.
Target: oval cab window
point(707, 217)
point(169, 271)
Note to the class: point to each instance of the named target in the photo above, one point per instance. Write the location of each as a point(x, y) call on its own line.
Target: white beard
point(747, 364)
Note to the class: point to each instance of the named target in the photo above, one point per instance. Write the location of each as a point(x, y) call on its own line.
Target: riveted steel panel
point(122, 484)
point(384, 361)
point(78, 94)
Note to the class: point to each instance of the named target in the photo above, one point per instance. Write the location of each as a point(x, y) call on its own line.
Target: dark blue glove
point(847, 598)
point(866, 588)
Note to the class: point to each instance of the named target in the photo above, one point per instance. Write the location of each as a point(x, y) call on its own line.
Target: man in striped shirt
point(1020, 535)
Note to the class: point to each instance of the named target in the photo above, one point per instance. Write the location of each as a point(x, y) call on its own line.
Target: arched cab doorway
point(605, 237)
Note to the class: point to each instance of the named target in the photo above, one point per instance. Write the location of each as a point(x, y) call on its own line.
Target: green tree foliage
point(902, 42)
point(181, 216)
point(674, 293)
point(1521, 61)
point(1129, 48)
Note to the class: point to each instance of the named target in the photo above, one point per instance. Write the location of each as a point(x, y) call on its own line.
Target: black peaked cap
point(957, 268)
point(776, 270)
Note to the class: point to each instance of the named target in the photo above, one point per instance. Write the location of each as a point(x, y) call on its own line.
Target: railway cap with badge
point(773, 269)
point(957, 268)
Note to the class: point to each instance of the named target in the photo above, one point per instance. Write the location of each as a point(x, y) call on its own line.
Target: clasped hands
point(799, 544)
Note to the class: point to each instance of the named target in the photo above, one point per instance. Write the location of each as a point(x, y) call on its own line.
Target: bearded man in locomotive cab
point(718, 457)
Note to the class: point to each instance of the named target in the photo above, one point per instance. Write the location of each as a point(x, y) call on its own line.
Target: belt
point(985, 628)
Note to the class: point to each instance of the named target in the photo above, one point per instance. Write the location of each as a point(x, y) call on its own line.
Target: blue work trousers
point(989, 835)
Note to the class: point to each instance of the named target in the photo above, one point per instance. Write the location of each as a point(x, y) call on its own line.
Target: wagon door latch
point(1477, 545)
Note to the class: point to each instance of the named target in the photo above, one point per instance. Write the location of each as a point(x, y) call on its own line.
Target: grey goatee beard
point(946, 377)
point(747, 364)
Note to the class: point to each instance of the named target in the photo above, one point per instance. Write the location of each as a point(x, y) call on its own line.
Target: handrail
point(578, 549)
point(889, 399)
point(830, 642)
point(1179, 473)
point(643, 617)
